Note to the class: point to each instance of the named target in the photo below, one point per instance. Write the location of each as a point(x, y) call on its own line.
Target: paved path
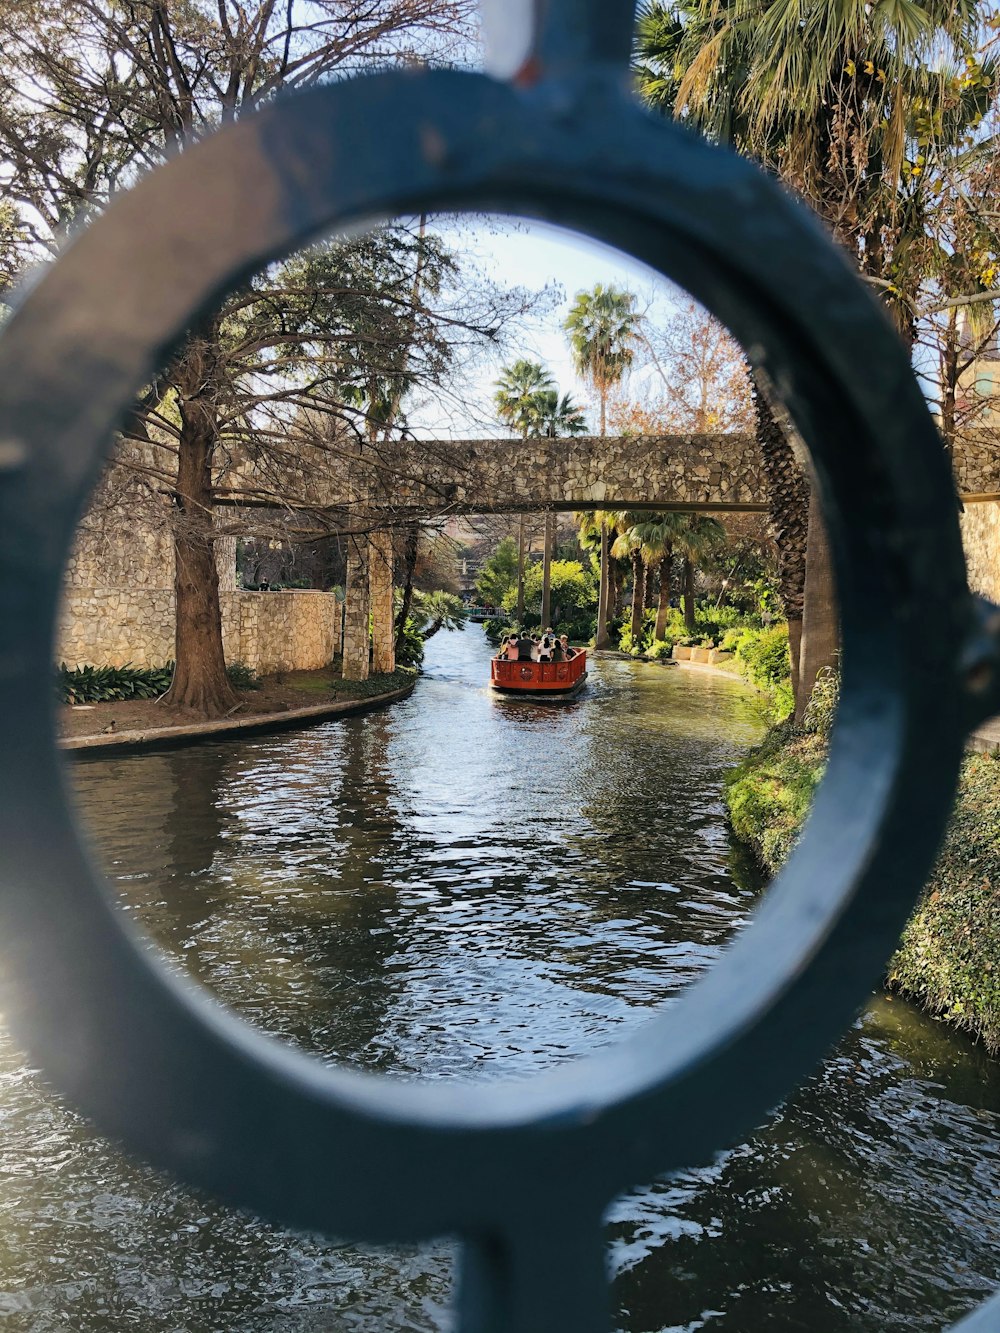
point(169, 737)
point(986, 736)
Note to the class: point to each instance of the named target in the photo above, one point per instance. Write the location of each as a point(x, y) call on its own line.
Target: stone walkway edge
point(161, 738)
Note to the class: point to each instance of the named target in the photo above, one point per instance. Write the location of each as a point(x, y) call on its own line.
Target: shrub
point(98, 685)
point(764, 653)
point(659, 649)
point(947, 956)
point(498, 576)
point(646, 629)
point(410, 650)
point(770, 792)
point(496, 628)
point(731, 640)
point(946, 960)
point(713, 621)
point(822, 706)
point(572, 590)
point(242, 677)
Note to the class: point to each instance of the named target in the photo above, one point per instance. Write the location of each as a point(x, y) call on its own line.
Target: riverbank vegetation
point(947, 957)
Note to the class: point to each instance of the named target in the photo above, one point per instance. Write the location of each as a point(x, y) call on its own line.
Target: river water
point(471, 887)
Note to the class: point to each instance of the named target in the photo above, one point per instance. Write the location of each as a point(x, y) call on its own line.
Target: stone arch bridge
point(376, 489)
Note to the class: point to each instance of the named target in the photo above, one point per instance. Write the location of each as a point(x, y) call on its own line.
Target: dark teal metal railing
point(521, 1173)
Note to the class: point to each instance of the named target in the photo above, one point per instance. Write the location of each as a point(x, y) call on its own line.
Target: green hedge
point(770, 792)
point(949, 955)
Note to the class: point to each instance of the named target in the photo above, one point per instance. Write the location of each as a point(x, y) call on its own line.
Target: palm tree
point(629, 545)
point(603, 326)
point(658, 534)
point(848, 103)
point(521, 397)
point(560, 416)
point(437, 610)
point(522, 394)
point(695, 539)
point(526, 398)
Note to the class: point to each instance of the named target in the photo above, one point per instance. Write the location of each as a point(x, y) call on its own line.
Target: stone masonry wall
point(115, 626)
point(981, 539)
point(976, 462)
point(297, 630)
point(476, 476)
point(118, 604)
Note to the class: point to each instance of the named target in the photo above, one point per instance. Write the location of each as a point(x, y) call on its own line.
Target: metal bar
point(547, 1276)
point(526, 40)
point(529, 1164)
point(577, 33)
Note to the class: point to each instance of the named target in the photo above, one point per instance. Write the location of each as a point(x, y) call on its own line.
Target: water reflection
point(468, 887)
point(868, 1202)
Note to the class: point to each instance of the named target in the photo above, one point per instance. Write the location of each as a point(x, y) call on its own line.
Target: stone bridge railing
point(682, 471)
point(688, 472)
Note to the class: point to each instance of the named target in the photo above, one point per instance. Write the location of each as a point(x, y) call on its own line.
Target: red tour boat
point(540, 680)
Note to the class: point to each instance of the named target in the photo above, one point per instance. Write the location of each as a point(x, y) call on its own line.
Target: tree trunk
point(650, 590)
point(638, 596)
point(520, 571)
point(689, 621)
point(412, 542)
point(547, 571)
point(788, 512)
point(820, 623)
point(601, 637)
point(663, 605)
point(616, 581)
point(200, 681)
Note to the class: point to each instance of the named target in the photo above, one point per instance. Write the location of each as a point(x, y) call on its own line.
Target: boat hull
point(539, 680)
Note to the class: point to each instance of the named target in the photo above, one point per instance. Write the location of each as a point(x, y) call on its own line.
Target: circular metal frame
point(190, 1086)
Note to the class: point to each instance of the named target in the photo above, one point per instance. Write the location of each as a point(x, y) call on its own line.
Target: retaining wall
point(981, 539)
point(297, 630)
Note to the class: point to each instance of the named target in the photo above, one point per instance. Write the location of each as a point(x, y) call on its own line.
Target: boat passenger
point(568, 652)
point(509, 648)
point(525, 648)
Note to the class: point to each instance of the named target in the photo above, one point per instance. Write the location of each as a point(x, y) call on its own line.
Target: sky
point(516, 252)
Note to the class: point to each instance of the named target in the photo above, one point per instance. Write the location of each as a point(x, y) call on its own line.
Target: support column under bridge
point(369, 631)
